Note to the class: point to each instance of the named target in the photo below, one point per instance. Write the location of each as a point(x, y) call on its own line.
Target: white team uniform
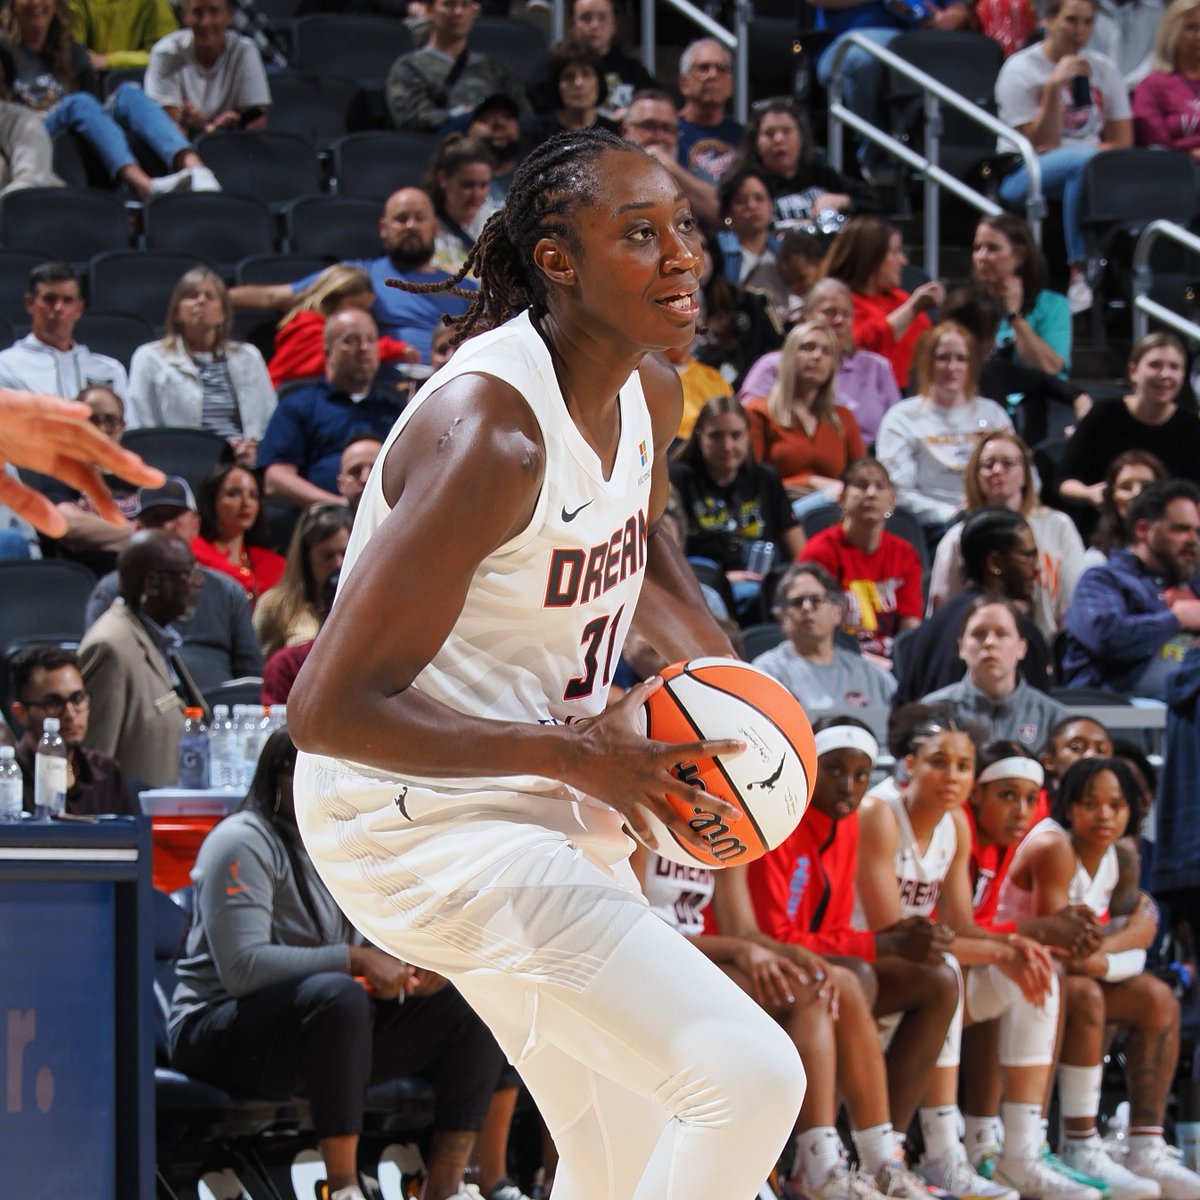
point(519, 889)
point(1016, 903)
point(678, 893)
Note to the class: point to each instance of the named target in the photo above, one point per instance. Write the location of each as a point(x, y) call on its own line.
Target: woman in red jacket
point(868, 256)
point(300, 336)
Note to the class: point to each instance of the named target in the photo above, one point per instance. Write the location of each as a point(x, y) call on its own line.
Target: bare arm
point(278, 296)
point(878, 839)
point(1045, 130)
point(353, 697)
point(1118, 135)
point(285, 480)
point(1082, 493)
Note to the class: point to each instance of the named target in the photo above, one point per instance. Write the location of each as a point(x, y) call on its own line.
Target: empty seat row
point(219, 228)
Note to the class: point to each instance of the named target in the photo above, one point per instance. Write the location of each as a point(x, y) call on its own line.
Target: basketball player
point(912, 859)
point(464, 790)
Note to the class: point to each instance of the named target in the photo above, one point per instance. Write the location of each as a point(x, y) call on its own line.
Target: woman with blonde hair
point(798, 428)
point(195, 376)
point(1166, 104)
point(300, 336)
point(1000, 475)
point(291, 611)
point(926, 442)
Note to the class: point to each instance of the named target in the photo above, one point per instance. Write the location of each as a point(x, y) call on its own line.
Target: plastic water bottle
point(50, 772)
point(12, 786)
point(277, 714)
point(193, 751)
point(252, 740)
point(221, 749)
point(1187, 1128)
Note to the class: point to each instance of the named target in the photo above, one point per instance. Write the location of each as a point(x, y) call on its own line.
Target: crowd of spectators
point(855, 475)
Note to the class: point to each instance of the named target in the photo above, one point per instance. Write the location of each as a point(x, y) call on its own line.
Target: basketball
point(771, 781)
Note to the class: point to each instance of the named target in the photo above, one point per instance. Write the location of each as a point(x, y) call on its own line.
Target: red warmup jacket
point(989, 866)
point(803, 891)
point(300, 349)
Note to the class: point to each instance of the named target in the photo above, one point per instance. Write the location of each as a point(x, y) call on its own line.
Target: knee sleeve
point(1027, 1031)
point(951, 1049)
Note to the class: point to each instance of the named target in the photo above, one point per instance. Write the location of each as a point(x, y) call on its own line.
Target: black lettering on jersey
point(917, 893)
point(562, 582)
point(580, 576)
point(593, 577)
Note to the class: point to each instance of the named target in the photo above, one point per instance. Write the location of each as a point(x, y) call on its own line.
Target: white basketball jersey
point(546, 614)
point(918, 875)
point(678, 893)
point(1095, 891)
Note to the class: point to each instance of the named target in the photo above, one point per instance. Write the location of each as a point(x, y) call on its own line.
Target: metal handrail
point(935, 95)
point(737, 42)
point(1143, 307)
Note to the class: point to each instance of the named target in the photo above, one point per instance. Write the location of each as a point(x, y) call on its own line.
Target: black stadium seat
point(277, 268)
point(15, 266)
point(316, 107)
point(115, 334)
point(73, 225)
point(518, 44)
point(220, 227)
point(350, 46)
point(270, 165)
point(137, 281)
point(179, 450)
point(334, 226)
point(376, 163)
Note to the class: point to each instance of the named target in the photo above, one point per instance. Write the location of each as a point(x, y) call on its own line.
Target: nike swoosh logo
point(570, 516)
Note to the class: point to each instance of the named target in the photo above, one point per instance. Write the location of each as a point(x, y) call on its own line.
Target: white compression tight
point(661, 1080)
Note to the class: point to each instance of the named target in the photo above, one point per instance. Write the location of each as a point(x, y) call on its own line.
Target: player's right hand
point(612, 759)
point(917, 939)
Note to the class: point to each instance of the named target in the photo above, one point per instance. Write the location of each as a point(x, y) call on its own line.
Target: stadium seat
point(333, 227)
point(316, 107)
point(73, 225)
point(77, 164)
point(115, 334)
point(223, 228)
point(518, 44)
point(350, 46)
point(139, 282)
point(376, 163)
point(1123, 191)
point(968, 63)
point(758, 639)
point(40, 601)
point(15, 266)
point(111, 80)
point(277, 268)
point(179, 450)
point(271, 166)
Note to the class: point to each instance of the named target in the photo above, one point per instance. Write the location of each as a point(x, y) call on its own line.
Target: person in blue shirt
point(407, 230)
point(708, 135)
point(302, 448)
point(1131, 621)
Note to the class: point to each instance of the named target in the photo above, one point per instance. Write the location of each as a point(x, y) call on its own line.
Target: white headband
point(1014, 768)
point(846, 737)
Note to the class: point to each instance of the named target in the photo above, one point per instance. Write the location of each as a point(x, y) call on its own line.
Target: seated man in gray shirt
point(218, 636)
point(822, 675)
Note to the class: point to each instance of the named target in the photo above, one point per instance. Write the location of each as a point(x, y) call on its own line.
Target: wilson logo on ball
point(770, 782)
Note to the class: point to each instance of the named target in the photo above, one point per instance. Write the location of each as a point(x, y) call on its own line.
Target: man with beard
point(47, 683)
point(1131, 620)
point(407, 230)
point(496, 122)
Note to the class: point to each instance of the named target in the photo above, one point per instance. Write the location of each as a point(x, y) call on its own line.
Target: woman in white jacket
point(195, 376)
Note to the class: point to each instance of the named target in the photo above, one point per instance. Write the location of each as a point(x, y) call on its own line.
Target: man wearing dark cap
point(497, 121)
point(218, 636)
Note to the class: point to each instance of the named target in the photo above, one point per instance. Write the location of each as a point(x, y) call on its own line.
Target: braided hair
point(553, 179)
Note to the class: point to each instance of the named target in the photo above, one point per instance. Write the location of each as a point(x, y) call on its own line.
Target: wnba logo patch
point(642, 453)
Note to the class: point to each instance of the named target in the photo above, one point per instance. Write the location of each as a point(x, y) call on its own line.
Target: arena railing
point(934, 177)
point(1143, 307)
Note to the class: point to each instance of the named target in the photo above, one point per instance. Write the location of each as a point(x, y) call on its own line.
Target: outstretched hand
point(53, 436)
point(613, 760)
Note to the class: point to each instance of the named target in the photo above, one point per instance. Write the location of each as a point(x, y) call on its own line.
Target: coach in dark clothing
point(47, 683)
point(1000, 558)
point(311, 426)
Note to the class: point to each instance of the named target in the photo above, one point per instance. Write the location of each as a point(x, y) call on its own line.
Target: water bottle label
point(51, 783)
point(12, 799)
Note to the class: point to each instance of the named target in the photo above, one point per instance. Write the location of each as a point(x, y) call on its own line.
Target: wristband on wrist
point(1124, 964)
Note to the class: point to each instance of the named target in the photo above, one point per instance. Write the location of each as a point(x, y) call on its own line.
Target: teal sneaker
point(1056, 1164)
